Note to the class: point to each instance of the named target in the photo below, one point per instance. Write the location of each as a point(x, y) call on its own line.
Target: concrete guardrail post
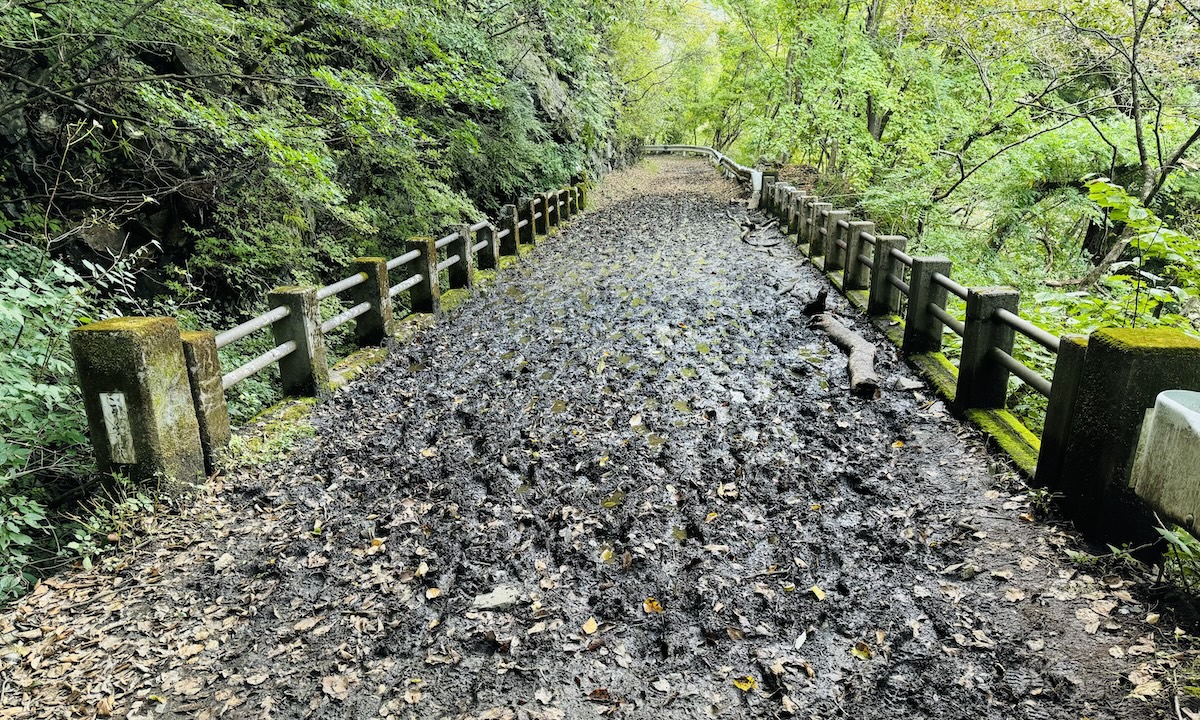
point(854, 276)
point(489, 254)
point(885, 297)
point(1060, 410)
point(781, 205)
point(583, 194)
point(138, 399)
point(795, 207)
point(305, 370)
point(462, 273)
point(377, 324)
point(525, 212)
point(817, 241)
point(542, 225)
point(208, 395)
point(425, 296)
point(550, 204)
point(1124, 370)
point(769, 179)
point(835, 255)
point(922, 329)
point(509, 217)
point(804, 233)
point(982, 381)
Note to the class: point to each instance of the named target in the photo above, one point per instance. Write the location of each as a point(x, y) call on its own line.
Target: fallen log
point(861, 355)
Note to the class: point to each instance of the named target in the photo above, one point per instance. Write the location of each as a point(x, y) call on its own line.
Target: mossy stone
point(138, 400)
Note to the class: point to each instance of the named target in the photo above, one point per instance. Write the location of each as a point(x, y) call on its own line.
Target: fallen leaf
point(432, 593)
point(1014, 594)
point(590, 626)
point(746, 683)
point(650, 605)
point(817, 592)
point(862, 651)
point(336, 686)
point(1147, 689)
point(223, 563)
point(306, 624)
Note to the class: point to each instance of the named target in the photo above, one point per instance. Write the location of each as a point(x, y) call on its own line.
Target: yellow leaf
point(431, 593)
point(607, 555)
point(817, 591)
point(710, 517)
point(651, 605)
point(1147, 689)
point(591, 626)
point(898, 444)
point(862, 651)
point(603, 460)
point(815, 506)
point(746, 683)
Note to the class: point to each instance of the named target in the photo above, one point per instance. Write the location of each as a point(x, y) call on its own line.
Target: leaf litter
point(495, 537)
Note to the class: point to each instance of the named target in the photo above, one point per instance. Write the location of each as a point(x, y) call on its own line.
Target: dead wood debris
point(864, 382)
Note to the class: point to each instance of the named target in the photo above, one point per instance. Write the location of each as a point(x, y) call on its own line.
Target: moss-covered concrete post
point(462, 273)
point(1060, 410)
point(377, 324)
point(425, 296)
point(583, 195)
point(795, 208)
point(550, 207)
point(304, 371)
point(817, 241)
point(854, 275)
point(922, 329)
point(885, 297)
point(983, 382)
point(804, 223)
point(509, 218)
point(526, 234)
point(564, 197)
point(835, 255)
point(138, 399)
point(489, 254)
point(541, 225)
point(781, 205)
point(769, 179)
point(208, 395)
point(1124, 370)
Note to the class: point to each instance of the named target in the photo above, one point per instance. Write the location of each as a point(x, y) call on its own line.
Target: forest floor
point(626, 480)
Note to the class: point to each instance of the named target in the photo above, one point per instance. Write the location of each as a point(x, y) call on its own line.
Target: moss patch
point(1012, 437)
point(271, 434)
point(451, 299)
point(940, 371)
point(354, 364)
point(1145, 340)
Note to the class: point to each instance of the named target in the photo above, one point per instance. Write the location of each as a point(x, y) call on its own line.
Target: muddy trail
point(626, 480)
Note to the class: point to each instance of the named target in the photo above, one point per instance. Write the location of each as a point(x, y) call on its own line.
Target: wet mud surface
point(627, 480)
